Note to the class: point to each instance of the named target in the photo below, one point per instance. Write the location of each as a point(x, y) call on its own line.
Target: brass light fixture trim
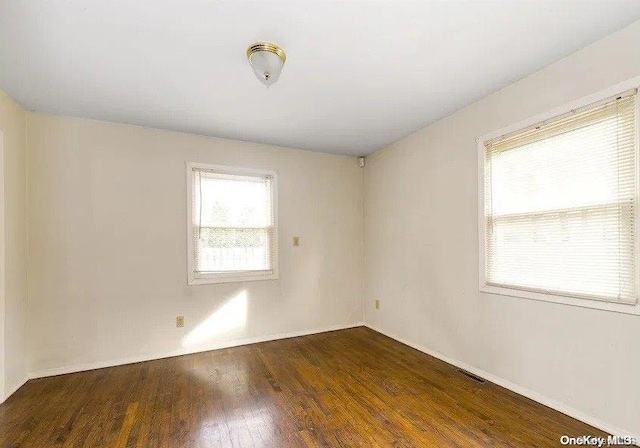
point(266, 46)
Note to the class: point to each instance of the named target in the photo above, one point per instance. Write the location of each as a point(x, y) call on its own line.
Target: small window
point(560, 206)
point(232, 224)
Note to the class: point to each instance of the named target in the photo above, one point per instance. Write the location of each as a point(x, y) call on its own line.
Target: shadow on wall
point(230, 316)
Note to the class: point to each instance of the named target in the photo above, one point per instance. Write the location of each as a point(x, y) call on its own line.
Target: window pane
point(581, 251)
point(220, 250)
point(573, 169)
point(243, 202)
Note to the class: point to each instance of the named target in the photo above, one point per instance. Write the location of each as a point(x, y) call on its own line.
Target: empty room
point(319, 223)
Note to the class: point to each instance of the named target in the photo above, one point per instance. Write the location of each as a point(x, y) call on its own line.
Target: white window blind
point(560, 205)
point(233, 224)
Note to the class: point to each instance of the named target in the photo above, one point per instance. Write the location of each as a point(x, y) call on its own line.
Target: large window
point(560, 206)
point(232, 224)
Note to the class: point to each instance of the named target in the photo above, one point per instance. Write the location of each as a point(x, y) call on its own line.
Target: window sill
point(203, 279)
point(571, 301)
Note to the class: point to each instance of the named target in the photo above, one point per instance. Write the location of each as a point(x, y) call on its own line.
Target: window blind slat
point(560, 205)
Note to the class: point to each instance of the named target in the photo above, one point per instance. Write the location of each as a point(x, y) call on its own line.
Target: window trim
point(484, 287)
point(229, 277)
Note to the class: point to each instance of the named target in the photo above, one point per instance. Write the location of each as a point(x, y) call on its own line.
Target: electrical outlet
point(296, 240)
point(377, 304)
point(180, 321)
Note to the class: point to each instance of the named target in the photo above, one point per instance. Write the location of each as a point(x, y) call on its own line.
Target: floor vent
point(475, 378)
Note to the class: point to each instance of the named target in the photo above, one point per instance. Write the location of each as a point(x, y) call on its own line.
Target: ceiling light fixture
point(267, 60)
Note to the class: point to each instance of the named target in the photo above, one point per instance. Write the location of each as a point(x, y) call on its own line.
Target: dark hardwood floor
point(349, 388)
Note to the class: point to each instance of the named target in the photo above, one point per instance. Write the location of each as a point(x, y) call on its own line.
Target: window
point(232, 224)
point(558, 217)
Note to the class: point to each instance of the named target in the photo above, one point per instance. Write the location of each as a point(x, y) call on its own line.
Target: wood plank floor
point(349, 388)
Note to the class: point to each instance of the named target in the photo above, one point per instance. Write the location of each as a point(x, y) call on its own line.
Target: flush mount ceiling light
point(267, 60)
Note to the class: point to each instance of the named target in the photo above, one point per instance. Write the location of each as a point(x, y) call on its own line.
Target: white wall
point(421, 254)
point(107, 244)
point(13, 247)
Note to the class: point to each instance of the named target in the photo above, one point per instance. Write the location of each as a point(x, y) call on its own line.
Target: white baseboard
point(535, 396)
point(187, 351)
point(11, 391)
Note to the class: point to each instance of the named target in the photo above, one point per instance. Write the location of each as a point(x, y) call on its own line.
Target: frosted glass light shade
point(267, 60)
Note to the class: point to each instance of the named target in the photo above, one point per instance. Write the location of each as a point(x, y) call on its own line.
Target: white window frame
point(229, 277)
point(554, 298)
